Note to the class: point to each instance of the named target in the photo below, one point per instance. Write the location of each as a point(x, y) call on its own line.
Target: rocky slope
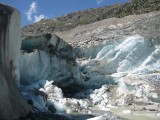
point(83, 17)
point(111, 29)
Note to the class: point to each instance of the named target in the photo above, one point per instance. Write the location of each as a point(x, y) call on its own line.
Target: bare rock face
point(12, 105)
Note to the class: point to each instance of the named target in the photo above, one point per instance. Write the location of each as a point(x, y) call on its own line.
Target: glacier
point(12, 106)
point(131, 65)
point(127, 69)
point(50, 59)
point(116, 65)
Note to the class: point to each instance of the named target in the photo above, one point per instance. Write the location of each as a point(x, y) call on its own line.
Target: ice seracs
point(43, 57)
point(124, 67)
point(120, 63)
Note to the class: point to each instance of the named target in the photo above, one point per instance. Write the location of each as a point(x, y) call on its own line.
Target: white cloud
point(99, 1)
point(32, 13)
point(38, 18)
point(32, 10)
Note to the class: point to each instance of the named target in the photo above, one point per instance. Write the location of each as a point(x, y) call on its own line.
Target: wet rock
point(30, 101)
point(52, 108)
point(46, 116)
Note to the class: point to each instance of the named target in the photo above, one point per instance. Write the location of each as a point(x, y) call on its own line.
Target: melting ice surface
point(134, 55)
point(129, 56)
point(120, 71)
point(130, 63)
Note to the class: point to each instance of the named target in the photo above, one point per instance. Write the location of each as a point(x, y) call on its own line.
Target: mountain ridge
point(92, 15)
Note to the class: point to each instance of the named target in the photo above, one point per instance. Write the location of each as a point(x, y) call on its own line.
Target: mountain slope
point(83, 17)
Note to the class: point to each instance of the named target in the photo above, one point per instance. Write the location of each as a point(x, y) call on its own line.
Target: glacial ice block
point(12, 105)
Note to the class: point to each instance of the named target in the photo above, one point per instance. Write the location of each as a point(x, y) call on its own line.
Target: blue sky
point(34, 10)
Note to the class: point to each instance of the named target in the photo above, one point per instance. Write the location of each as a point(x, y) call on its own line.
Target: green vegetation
point(75, 19)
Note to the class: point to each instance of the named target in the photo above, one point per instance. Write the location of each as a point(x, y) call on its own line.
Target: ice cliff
point(12, 105)
point(124, 57)
point(47, 57)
